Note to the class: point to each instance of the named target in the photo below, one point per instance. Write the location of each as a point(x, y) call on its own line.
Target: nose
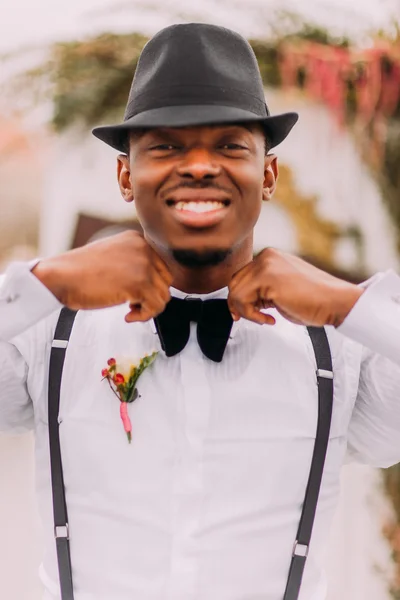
point(198, 164)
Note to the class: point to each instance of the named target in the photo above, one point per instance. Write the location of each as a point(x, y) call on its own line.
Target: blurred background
point(338, 200)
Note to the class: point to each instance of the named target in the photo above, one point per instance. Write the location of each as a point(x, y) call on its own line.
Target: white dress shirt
point(205, 502)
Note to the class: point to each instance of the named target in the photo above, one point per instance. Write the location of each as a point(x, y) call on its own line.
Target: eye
point(165, 147)
point(232, 146)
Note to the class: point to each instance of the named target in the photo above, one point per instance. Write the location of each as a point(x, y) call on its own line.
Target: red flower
point(124, 386)
point(119, 378)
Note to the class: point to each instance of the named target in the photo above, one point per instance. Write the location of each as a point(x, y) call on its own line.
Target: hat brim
point(277, 127)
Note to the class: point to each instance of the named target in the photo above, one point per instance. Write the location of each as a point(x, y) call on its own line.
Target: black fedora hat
point(196, 74)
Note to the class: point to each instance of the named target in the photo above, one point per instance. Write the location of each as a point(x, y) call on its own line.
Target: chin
point(198, 259)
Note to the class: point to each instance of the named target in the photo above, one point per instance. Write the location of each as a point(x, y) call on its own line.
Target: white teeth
point(199, 207)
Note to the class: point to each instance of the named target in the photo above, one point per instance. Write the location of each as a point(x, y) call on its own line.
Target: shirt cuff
point(24, 300)
point(374, 321)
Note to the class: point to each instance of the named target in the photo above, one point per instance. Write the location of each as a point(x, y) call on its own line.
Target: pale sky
point(36, 22)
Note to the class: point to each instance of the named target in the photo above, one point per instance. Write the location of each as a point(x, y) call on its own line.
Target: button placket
point(188, 481)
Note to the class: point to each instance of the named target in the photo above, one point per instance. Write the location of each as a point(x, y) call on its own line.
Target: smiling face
point(198, 191)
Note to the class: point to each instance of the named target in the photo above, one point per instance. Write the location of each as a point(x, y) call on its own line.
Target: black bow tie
point(214, 324)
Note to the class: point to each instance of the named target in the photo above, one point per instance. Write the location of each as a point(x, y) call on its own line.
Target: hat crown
point(195, 75)
point(196, 63)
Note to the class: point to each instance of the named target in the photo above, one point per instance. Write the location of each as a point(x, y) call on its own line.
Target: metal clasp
point(300, 549)
point(59, 344)
point(325, 374)
point(61, 531)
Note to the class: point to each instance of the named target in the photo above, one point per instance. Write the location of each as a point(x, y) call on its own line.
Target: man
point(205, 502)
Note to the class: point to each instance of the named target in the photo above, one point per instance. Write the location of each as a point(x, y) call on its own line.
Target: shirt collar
point(221, 293)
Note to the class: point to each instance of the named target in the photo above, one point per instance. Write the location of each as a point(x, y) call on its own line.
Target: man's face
point(198, 189)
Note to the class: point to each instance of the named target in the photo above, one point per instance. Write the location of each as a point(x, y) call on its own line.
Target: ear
point(271, 173)
point(124, 177)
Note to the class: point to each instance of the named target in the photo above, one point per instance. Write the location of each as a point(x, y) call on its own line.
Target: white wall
point(326, 163)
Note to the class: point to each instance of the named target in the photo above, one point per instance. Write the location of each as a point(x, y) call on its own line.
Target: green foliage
point(90, 80)
point(145, 362)
point(267, 57)
point(320, 35)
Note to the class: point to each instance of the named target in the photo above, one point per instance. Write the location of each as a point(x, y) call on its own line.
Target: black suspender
point(61, 528)
point(300, 549)
point(325, 403)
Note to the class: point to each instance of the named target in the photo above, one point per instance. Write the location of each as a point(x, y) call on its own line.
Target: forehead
point(201, 130)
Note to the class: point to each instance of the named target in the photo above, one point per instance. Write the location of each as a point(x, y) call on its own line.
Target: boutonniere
point(122, 379)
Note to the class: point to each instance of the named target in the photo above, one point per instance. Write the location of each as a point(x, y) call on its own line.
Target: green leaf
point(132, 395)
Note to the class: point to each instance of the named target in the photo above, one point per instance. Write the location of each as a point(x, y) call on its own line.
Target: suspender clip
point(324, 373)
point(300, 549)
point(61, 531)
point(59, 344)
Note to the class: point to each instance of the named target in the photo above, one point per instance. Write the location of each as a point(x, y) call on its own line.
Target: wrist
point(345, 299)
point(48, 274)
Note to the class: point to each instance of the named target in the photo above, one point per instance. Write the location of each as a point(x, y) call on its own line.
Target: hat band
point(177, 95)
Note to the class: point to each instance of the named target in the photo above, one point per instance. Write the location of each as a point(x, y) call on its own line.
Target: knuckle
point(166, 296)
point(233, 283)
point(268, 254)
point(130, 237)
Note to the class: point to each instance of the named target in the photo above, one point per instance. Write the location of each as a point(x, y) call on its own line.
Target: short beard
point(194, 259)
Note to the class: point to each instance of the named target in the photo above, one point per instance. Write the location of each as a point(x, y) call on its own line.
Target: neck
point(203, 280)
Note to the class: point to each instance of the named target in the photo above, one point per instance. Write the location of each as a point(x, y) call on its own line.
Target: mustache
point(195, 185)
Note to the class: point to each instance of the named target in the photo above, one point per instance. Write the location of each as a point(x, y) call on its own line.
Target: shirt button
point(11, 298)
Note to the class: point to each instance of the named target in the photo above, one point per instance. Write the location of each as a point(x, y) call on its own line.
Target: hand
point(121, 268)
point(300, 292)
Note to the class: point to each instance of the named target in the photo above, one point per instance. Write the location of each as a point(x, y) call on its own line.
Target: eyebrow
point(249, 126)
point(138, 134)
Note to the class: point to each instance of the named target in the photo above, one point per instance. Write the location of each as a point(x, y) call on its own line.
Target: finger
point(248, 300)
point(259, 317)
point(233, 310)
point(240, 275)
point(265, 319)
point(235, 313)
point(136, 314)
point(139, 312)
point(246, 294)
point(242, 295)
point(161, 287)
point(153, 303)
point(164, 293)
point(157, 302)
point(162, 269)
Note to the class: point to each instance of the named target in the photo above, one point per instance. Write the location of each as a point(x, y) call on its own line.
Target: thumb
point(234, 313)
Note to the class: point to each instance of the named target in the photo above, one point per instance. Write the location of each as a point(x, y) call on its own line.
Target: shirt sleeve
point(16, 408)
point(374, 321)
point(24, 300)
point(374, 430)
